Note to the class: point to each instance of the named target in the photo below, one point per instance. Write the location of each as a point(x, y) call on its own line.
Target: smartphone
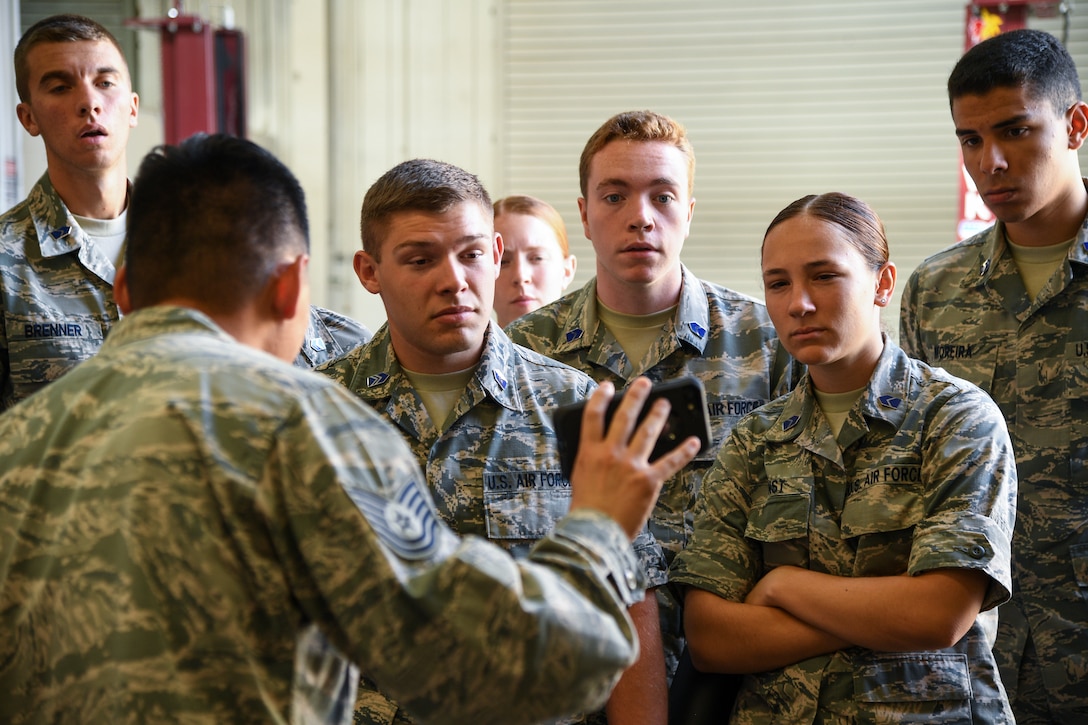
point(687, 417)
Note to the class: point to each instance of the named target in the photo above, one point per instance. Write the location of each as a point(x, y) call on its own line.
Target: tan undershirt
point(836, 406)
point(440, 393)
point(1037, 264)
point(635, 333)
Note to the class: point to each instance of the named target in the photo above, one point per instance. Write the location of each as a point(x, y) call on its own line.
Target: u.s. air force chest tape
point(522, 502)
point(723, 412)
point(404, 522)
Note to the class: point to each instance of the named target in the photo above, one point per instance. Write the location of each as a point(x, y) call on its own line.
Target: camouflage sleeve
point(910, 335)
point(347, 332)
point(6, 391)
point(455, 630)
point(718, 558)
point(970, 503)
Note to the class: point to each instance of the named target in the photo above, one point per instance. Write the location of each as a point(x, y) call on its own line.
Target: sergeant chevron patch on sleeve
point(405, 523)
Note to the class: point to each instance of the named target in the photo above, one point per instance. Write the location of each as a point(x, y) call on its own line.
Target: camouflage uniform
point(925, 480)
point(176, 508)
point(320, 676)
point(494, 472)
point(329, 336)
point(56, 294)
point(721, 337)
point(966, 309)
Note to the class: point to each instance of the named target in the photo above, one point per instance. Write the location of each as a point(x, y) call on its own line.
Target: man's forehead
point(463, 221)
point(627, 161)
point(1001, 99)
point(52, 55)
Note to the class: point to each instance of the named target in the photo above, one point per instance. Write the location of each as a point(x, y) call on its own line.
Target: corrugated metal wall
point(780, 99)
point(411, 79)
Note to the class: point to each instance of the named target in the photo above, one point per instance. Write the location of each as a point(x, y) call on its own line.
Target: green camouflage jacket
point(924, 479)
point(966, 310)
point(56, 294)
point(177, 510)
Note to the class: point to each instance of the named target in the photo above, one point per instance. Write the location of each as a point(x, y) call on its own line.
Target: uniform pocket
point(526, 504)
point(915, 687)
point(780, 522)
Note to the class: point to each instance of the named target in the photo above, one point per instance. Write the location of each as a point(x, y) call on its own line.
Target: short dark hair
point(637, 126)
point(211, 219)
point(56, 29)
point(425, 185)
point(864, 230)
point(1029, 59)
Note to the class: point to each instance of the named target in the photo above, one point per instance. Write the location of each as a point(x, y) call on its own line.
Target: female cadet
point(537, 265)
point(852, 539)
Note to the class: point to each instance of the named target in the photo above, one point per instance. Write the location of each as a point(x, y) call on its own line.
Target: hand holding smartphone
point(687, 417)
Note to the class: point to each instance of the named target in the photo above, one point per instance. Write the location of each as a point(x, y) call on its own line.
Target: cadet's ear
point(120, 290)
point(1078, 125)
point(366, 269)
point(496, 249)
point(288, 286)
point(26, 118)
point(885, 284)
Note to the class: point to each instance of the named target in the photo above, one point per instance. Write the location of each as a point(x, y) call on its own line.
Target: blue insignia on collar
point(889, 401)
point(1085, 245)
point(574, 334)
point(985, 266)
point(697, 329)
point(790, 422)
point(499, 379)
point(378, 379)
point(61, 232)
point(316, 343)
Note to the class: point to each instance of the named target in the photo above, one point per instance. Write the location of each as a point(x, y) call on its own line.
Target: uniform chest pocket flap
point(779, 517)
point(525, 504)
point(895, 505)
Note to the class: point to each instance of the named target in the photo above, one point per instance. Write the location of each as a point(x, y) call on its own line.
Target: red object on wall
point(203, 76)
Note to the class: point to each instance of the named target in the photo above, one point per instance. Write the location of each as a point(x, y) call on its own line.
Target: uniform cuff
point(611, 551)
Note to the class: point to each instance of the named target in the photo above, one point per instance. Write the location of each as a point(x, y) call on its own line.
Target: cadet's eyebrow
point(1013, 121)
point(624, 184)
point(66, 76)
point(808, 266)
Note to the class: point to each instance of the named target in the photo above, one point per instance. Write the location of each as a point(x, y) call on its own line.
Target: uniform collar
point(378, 374)
point(994, 247)
point(163, 320)
point(885, 399)
point(60, 234)
point(581, 325)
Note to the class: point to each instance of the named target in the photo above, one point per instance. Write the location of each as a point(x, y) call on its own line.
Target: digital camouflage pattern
point(966, 310)
point(494, 471)
point(329, 336)
point(925, 479)
point(56, 294)
point(328, 681)
point(721, 337)
point(175, 510)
